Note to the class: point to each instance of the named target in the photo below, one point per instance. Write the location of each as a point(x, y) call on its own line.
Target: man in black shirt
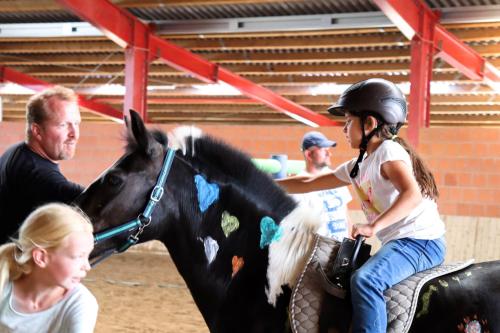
point(29, 171)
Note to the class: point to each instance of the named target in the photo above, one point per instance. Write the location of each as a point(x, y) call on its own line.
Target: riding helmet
point(377, 97)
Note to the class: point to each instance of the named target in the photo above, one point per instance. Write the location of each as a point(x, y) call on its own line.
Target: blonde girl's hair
point(46, 228)
point(423, 175)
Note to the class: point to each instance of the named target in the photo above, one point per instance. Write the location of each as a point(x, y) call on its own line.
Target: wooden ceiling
point(309, 67)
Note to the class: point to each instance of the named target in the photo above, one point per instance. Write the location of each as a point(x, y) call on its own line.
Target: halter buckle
point(157, 193)
point(145, 221)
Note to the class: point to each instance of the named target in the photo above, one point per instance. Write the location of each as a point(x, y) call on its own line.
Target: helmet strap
point(363, 146)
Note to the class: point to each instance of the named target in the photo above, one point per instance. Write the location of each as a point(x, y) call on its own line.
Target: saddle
point(322, 288)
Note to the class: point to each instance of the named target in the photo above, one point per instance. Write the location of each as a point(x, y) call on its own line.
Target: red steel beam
point(420, 24)
point(118, 24)
point(174, 100)
point(10, 75)
point(275, 101)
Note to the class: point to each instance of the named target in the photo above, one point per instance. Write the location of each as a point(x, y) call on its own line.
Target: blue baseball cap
point(317, 139)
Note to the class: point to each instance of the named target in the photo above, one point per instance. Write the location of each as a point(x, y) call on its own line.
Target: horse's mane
point(232, 168)
point(246, 192)
point(229, 166)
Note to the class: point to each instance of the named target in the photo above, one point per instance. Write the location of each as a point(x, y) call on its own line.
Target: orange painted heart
point(238, 263)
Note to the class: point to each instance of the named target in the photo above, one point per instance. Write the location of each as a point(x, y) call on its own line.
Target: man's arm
point(53, 186)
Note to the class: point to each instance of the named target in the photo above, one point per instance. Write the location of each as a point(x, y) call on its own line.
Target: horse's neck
point(187, 255)
point(215, 291)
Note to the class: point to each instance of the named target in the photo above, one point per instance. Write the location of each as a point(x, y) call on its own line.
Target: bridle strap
point(144, 219)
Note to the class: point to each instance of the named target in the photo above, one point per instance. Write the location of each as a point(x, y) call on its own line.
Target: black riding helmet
point(373, 97)
point(377, 97)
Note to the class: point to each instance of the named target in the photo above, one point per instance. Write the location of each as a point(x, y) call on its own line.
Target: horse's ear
point(138, 132)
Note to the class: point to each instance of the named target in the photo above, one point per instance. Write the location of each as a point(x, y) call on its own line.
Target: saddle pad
point(309, 292)
point(401, 299)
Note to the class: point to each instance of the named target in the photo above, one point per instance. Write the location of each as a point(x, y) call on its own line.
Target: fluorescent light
point(163, 87)
point(105, 89)
point(328, 89)
point(220, 89)
point(10, 88)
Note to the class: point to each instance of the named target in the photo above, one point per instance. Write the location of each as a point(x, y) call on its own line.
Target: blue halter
point(143, 220)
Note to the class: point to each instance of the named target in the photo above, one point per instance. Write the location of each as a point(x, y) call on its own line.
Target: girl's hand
point(366, 230)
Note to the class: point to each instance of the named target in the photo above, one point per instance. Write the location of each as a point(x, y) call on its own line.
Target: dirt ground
point(142, 292)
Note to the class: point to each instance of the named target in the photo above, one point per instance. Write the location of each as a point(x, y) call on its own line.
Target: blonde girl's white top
point(75, 313)
point(377, 194)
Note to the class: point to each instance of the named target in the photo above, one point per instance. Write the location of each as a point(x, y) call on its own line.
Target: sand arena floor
point(142, 292)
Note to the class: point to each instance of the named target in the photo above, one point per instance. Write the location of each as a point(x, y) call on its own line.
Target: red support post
point(422, 50)
point(10, 75)
point(116, 23)
point(136, 72)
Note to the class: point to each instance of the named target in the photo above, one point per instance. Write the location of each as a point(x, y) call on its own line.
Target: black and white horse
point(233, 234)
point(236, 238)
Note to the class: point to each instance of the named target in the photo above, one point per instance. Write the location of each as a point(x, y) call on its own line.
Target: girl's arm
point(401, 176)
point(304, 184)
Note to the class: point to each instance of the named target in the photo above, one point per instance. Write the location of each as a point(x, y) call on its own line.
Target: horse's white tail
point(288, 255)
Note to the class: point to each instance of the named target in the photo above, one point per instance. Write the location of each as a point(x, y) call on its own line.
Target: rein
point(140, 222)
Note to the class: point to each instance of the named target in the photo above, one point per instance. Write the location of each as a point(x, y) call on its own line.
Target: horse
point(237, 239)
point(233, 270)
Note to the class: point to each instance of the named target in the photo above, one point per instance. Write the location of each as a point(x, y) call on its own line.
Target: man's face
point(320, 157)
point(58, 135)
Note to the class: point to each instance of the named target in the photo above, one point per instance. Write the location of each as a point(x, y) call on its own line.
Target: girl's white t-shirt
point(75, 313)
point(377, 194)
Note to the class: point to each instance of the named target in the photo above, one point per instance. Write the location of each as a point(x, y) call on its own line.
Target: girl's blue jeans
point(394, 262)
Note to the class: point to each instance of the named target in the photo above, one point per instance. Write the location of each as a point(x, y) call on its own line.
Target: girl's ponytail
point(10, 266)
point(424, 176)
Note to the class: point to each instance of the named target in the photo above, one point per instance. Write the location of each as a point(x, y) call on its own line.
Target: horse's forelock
point(160, 137)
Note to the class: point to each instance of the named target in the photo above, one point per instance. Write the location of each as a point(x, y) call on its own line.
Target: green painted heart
point(229, 223)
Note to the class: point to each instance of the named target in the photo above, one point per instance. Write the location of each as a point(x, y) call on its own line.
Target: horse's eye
point(113, 180)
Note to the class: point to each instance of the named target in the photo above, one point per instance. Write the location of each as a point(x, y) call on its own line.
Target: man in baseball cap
point(316, 148)
point(317, 139)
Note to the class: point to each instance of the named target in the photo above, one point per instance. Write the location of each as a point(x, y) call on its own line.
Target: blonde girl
point(397, 193)
point(41, 273)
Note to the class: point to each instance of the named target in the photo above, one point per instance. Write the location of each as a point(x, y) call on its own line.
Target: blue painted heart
point(208, 193)
point(270, 231)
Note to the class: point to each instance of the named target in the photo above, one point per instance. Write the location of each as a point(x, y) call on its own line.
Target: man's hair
point(38, 108)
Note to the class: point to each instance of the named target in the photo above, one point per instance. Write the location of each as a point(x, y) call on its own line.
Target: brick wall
point(465, 161)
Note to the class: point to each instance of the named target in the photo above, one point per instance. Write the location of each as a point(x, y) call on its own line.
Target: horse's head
point(121, 193)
